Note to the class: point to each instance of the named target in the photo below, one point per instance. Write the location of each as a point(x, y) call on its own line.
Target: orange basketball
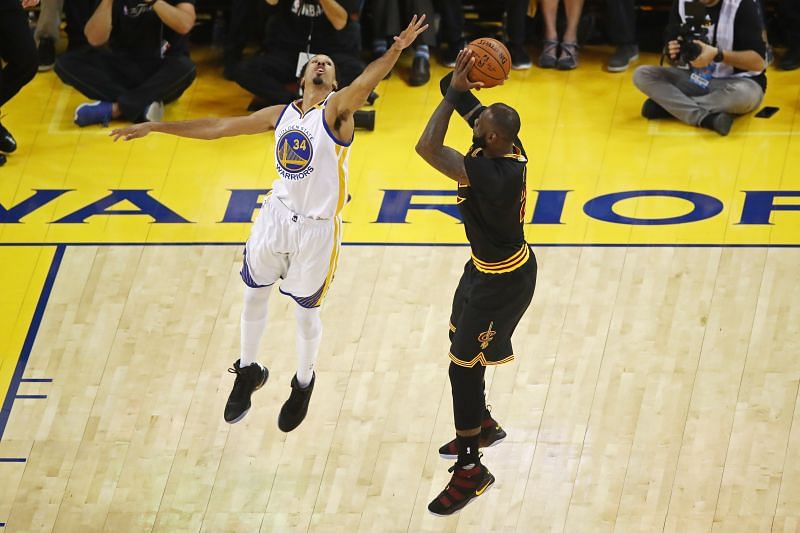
point(492, 61)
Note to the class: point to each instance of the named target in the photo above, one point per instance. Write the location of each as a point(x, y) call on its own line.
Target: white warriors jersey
point(311, 163)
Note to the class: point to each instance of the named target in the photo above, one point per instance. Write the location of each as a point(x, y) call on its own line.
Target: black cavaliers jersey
point(493, 210)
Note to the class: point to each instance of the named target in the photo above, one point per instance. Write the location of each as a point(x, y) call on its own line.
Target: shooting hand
point(460, 81)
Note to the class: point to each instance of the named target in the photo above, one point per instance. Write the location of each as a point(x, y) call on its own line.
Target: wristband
point(453, 95)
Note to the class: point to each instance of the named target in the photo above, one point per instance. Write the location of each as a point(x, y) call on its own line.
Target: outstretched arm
point(354, 95)
point(206, 128)
point(431, 146)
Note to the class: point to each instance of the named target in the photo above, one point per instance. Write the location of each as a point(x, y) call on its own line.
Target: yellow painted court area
point(24, 270)
point(582, 131)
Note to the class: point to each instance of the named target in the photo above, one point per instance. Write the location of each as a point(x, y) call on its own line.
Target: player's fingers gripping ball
point(492, 62)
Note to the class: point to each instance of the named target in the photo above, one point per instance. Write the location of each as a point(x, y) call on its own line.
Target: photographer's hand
point(673, 49)
point(706, 56)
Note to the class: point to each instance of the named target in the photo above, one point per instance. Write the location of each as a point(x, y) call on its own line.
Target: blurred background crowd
point(133, 56)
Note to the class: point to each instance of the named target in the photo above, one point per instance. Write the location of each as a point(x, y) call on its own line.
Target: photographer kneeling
point(708, 83)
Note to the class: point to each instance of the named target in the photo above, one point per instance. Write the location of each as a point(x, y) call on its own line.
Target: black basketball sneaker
point(295, 408)
point(491, 435)
point(248, 380)
point(7, 142)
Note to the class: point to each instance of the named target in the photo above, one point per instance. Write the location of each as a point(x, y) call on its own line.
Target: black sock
point(708, 121)
point(468, 450)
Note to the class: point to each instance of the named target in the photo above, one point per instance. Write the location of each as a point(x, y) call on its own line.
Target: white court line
point(55, 120)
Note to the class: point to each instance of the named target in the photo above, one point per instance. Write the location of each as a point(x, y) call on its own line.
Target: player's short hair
point(305, 65)
point(505, 120)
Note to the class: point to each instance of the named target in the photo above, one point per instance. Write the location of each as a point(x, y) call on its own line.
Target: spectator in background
point(327, 27)
point(562, 54)
point(145, 65)
point(18, 52)
point(452, 32)
point(727, 78)
point(246, 23)
point(386, 21)
point(516, 18)
point(621, 20)
point(76, 13)
point(790, 14)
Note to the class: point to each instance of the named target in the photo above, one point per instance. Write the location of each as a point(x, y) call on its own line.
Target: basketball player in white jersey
point(297, 234)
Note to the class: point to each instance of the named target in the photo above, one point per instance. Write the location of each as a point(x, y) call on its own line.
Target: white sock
point(253, 323)
point(309, 335)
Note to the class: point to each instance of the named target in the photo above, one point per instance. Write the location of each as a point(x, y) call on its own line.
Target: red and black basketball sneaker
point(491, 435)
point(466, 484)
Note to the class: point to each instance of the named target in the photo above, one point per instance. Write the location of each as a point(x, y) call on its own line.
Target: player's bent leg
point(309, 336)
point(470, 478)
point(250, 375)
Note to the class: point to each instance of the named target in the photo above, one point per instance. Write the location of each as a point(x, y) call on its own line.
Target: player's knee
point(465, 378)
point(256, 303)
point(309, 322)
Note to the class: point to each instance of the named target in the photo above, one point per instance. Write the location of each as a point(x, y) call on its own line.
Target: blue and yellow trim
point(507, 265)
point(334, 261)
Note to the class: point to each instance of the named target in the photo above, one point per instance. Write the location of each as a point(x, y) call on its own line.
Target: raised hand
point(29, 3)
point(460, 81)
point(131, 132)
point(410, 34)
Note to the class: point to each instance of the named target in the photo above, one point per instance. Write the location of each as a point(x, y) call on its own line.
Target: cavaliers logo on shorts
point(293, 154)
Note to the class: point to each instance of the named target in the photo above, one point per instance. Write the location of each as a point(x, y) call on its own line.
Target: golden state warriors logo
point(293, 154)
point(486, 336)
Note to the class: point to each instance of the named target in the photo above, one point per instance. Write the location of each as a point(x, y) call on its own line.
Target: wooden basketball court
point(656, 381)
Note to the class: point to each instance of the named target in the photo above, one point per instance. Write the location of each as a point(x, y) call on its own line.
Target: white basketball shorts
point(303, 252)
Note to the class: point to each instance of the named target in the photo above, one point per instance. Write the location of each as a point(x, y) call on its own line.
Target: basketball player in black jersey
point(498, 281)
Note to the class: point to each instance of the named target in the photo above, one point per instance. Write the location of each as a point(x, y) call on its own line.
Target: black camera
point(692, 29)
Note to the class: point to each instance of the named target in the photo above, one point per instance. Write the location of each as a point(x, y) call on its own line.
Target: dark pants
point(516, 18)
point(621, 22)
point(248, 18)
point(452, 29)
point(388, 19)
point(17, 49)
point(452, 12)
point(271, 76)
point(790, 14)
point(134, 83)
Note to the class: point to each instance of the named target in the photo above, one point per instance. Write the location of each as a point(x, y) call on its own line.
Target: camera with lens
point(692, 29)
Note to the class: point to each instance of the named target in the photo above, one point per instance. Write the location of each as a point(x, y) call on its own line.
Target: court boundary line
point(30, 337)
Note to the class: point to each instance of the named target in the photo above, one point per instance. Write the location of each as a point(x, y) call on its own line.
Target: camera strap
point(304, 57)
